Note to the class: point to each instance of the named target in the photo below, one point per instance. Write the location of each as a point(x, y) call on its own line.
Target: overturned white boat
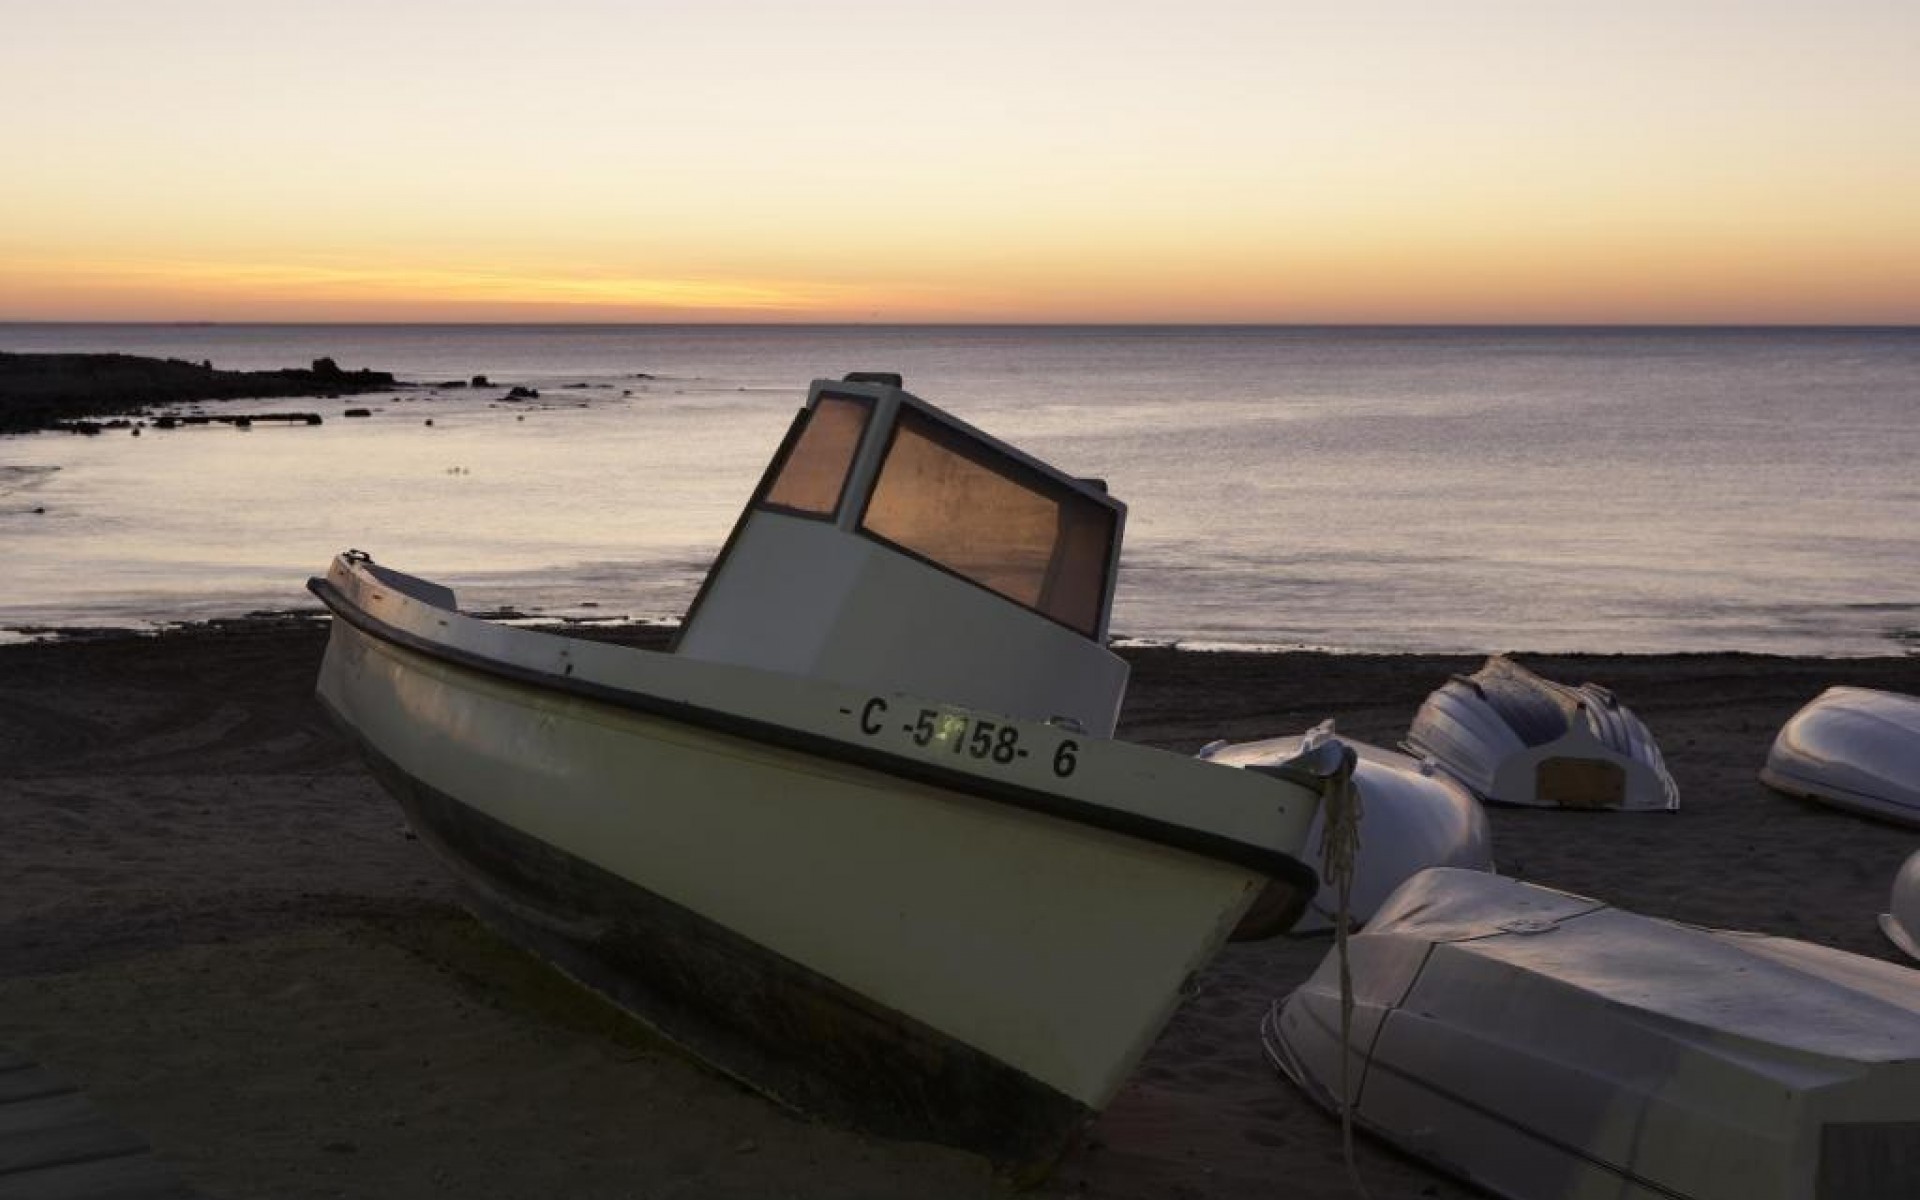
point(863, 839)
point(1413, 817)
point(1546, 1047)
point(1514, 738)
point(1853, 747)
point(1901, 921)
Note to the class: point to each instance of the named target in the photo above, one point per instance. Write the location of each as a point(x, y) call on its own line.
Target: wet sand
point(212, 919)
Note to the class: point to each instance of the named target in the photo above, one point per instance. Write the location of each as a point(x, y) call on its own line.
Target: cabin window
point(814, 473)
point(994, 521)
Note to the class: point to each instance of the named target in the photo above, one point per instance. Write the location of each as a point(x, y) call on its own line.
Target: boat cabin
point(893, 546)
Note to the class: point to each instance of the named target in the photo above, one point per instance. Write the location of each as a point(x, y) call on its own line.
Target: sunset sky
point(1040, 160)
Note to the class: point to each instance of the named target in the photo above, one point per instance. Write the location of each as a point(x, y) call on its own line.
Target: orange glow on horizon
point(1685, 279)
point(224, 286)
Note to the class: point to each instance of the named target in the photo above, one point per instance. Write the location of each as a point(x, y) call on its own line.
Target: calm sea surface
point(1363, 489)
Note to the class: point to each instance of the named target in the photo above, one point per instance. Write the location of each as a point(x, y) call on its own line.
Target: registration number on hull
point(961, 734)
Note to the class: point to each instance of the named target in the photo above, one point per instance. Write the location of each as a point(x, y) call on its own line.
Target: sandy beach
point(216, 922)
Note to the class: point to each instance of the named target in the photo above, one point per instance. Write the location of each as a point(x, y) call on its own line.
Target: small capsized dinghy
point(1412, 817)
point(864, 839)
point(1901, 921)
point(1855, 748)
point(1546, 1047)
point(1514, 738)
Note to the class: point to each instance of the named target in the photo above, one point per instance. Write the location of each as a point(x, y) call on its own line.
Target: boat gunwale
point(1264, 860)
point(1820, 791)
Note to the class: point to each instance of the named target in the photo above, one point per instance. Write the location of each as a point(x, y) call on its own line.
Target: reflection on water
point(1389, 490)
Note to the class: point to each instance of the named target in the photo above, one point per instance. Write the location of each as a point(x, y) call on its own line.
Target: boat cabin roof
point(892, 545)
point(873, 459)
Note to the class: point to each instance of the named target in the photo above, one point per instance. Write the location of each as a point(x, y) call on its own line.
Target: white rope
point(1339, 848)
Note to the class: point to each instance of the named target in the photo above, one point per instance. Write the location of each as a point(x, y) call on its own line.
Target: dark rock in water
point(481, 381)
point(40, 512)
point(358, 412)
point(237, 420)
point(136, 431)
point(429, 420)
point(522, 393)
point(451, 383)
point(38, 391)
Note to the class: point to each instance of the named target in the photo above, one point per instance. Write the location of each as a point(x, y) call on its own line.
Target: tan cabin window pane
point(1078, 583)
point(993, 521)
point(815, 472)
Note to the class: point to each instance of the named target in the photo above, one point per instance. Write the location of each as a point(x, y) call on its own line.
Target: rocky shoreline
point(55, 391)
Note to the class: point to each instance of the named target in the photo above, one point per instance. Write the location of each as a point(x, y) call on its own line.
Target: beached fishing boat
point(863, 838)
point(1901, 921)
point(1414, 817)
point(1546, 1046)
point(1513, 737)
point(1855, 748)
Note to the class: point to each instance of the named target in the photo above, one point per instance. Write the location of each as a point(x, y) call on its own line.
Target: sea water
point(1616, 490)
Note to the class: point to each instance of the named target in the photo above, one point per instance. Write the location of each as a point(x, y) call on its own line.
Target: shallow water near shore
point(1391, 490)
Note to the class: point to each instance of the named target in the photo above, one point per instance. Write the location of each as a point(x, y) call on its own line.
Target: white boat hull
point(1855, 748)
point(1901, 921)
point(1512, 737)
point(1412, 818)
point(1547, 1047)
point(774, 873)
